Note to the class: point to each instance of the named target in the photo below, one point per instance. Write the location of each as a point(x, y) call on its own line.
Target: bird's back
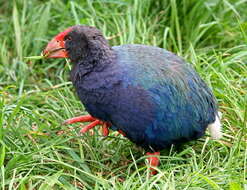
point(183, 104)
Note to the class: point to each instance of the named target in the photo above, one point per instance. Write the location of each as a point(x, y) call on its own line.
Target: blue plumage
point(150, 94)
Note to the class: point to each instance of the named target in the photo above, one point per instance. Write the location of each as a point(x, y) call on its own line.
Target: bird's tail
point(215, 127)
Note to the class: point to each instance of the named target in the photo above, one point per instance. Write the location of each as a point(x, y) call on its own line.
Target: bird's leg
point(94, 122)
point(153, 161)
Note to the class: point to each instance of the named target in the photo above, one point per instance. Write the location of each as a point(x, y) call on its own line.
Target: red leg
point(153, 161)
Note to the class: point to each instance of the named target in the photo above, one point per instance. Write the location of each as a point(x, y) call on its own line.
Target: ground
point(38, 152)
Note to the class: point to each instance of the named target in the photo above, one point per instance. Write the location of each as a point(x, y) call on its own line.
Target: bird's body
point(149, 93)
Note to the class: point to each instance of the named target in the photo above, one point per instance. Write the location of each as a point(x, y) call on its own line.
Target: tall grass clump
point(38, 152)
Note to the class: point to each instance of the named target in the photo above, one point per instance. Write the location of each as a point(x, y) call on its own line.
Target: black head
point(84, 41)
point(77, 42)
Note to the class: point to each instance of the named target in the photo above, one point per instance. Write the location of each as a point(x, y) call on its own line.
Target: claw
point(90, 126)
point(84, 118)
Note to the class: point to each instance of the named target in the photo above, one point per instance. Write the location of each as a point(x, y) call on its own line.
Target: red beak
point(55, 49)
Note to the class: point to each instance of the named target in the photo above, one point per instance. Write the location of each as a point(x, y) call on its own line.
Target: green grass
point(36, 95)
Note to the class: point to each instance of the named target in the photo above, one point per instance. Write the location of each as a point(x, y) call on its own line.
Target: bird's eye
point(68, 38)
point(94, 37)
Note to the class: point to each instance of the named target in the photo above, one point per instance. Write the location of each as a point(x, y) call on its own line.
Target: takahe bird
point(150, 95)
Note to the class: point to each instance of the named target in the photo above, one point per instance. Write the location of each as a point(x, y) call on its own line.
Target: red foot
point(94, 122)
point(153, 161)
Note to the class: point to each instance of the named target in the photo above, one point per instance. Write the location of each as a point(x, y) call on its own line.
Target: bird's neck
point(95, 60)
point(98, 57)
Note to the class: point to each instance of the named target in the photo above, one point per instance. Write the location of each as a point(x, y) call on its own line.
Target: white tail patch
point(215, 127)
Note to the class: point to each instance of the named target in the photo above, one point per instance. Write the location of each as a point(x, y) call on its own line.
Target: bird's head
point(76, 43)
